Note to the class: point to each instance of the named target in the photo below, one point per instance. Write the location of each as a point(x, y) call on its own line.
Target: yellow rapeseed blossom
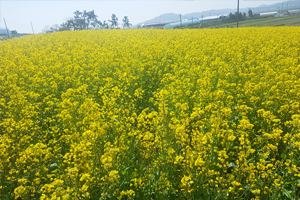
point(151, 114)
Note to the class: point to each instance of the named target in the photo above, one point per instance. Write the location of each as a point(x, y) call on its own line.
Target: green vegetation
point(86, 20)
point(292, 20)
point(211, 114)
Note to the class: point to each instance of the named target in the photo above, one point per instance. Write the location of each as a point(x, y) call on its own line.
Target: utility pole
point(6, 28)
point(32, 28)
point(238, 13)
point(180, 21)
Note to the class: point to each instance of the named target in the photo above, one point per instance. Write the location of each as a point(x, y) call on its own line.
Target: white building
point(3, 33)
point(294, 11)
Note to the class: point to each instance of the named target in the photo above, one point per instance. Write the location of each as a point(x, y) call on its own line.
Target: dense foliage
point(151, 114)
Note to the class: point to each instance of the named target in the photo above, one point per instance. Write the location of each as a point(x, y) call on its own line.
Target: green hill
point(292, 20)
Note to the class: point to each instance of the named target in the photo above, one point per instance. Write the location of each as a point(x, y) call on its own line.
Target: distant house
point(279, 15)
point(292, 12)
point(182, 23)
point(3, 33)
point(224, 17)
point(13, 32)
point(268, 14)
point(289, 12)
point(286, 13)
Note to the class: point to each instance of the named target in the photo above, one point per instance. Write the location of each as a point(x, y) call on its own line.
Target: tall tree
point(97, 24)
point(90, 17)
point(240, 16)
point(82, 20)
point(232, 16)
point(55, 28)
point(250, 13)
point(126, 22)
point(105, 25)
point(113, 21)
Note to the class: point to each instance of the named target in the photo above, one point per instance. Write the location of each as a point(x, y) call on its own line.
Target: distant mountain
point(283, 5)
point(262, 8)
point(161, 18)
point(173, 16)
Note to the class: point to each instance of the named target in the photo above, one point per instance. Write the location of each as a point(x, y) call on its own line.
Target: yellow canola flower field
point(151, 114)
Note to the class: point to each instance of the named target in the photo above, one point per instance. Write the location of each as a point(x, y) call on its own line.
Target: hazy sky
point(19, 14)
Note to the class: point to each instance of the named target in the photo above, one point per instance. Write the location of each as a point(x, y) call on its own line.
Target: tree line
point(241, 16)
point(88, 19)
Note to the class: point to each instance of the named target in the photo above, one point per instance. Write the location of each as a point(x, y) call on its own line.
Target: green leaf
point(232, 165)
point(287, 193)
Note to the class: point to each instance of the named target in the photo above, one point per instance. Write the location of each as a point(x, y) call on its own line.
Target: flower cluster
point(151, 114)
